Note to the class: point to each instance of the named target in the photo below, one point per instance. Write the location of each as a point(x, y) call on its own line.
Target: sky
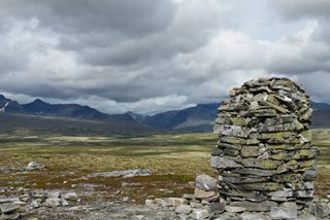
point(150, 56)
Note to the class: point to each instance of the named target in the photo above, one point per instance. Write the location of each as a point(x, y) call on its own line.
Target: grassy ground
point(174, 160)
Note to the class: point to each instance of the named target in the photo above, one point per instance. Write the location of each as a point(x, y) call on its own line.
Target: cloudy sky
point(149, 56)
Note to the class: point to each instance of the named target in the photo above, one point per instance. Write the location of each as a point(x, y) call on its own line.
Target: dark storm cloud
point(148, 56)
point(294, 9)
point(310, 48)
point(135, 18)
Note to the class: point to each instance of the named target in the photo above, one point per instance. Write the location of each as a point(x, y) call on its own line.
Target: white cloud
point(180, 53)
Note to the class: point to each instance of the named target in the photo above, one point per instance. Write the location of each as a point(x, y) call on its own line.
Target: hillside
point(68, 119)
point(40, 116)
point(201, 118)
point(29, 124)
point(198, 118)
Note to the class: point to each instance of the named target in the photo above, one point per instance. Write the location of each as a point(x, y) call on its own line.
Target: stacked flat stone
point(262, 155)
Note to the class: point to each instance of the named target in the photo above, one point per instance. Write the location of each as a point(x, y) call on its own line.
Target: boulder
point(34, 166)
point(71, 196)
point(183, 209)
point(52, 202)
point(206, 183)
point(320, 210)
point(199, 214)
point(284, 212)
point(8, 208)
point(202, 194)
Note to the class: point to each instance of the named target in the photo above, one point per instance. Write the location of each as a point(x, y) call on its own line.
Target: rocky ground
point(205, 203)
point(82, 178)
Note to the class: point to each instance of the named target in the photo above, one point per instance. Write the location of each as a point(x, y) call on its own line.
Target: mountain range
point(72, 119)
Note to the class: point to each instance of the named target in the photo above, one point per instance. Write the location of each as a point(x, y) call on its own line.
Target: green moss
point(250, 151)
point(270, 164)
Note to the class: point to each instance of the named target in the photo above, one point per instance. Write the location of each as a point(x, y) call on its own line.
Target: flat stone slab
point(255, 206)
point(122, 173)
point(8, 208)
point(281, 212)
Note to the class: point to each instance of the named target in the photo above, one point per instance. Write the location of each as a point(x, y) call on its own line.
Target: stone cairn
point(265, 166)
point(262, 158)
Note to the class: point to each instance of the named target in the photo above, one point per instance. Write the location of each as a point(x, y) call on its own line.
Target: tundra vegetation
point(174, 160)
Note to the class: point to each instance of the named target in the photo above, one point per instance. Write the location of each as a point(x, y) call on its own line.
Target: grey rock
point(304, 193)
point(39, 194)
point(161, 202)
point(250, 151)
point(217, 208)
point(206, 182)
point(244, 179)
point(310, 175)
point(71, 196)
point(32, 165)
point(309, 185)
point(53, 194)
point(8, 208)
point(64, 202)
point(255, 206)
point(261, 163)
point(175, 202)
point(223, 162)
point(235, 141)
point(254, 105)
point(278, 164)
point(253, 196)
point(281, 195)
point(35, 203)
point(307, 217)
point(234, 209)
point(52, 202)
point(228, 146)
point(202, 194)
point(320, 210)
point(254, 216)
point(200, 214)
point(282, 212)
point(232, 130)
point(183, 209)
point(139, 217)
point(228, 216)
point(188, 196)
point(12, 216)
point(254, 172)
point(122, 173)
point(150, 203)
point(196, 205)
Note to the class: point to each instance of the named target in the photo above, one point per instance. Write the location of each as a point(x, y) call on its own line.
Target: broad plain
point(174, 160)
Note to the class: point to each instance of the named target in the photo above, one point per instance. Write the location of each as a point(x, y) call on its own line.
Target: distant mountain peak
point(3, 109)
point(39, 101)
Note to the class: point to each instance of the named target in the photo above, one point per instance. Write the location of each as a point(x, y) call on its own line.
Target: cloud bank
point(151, 56)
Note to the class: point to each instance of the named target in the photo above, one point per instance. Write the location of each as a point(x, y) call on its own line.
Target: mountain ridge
point(58, 118)
point(199, 118)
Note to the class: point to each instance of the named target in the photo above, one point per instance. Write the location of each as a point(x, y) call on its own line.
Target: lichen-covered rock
point(262, 154)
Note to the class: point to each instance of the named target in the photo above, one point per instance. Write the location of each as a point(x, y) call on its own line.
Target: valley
point(71, 162)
